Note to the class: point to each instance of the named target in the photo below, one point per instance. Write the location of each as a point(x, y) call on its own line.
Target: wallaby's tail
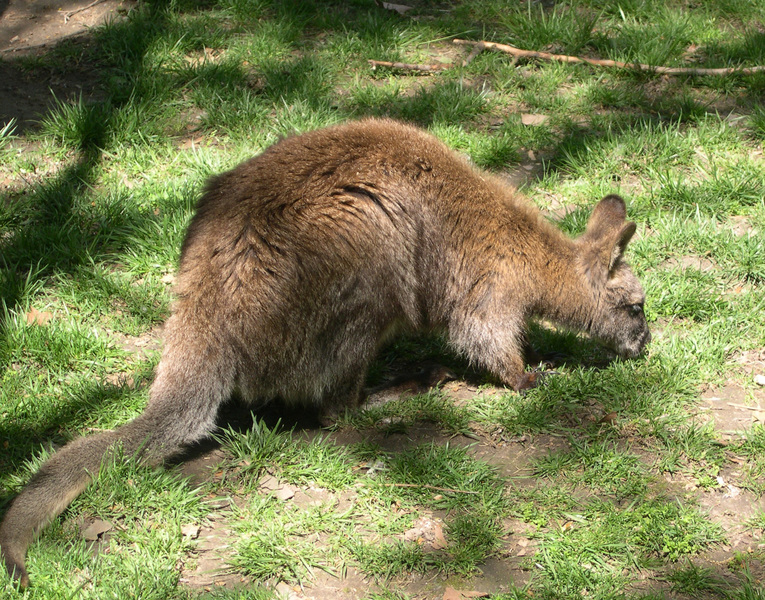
point(59, 481)
point(184, 401)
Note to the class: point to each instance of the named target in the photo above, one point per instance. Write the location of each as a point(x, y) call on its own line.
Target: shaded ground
point(29, 25)
point(27, 29)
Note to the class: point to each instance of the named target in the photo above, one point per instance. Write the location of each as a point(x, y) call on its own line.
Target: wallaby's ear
point(624, 237)
point(607, 233)
point(609, 214)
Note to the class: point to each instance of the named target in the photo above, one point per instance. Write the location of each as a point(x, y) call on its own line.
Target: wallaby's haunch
point(301, 261)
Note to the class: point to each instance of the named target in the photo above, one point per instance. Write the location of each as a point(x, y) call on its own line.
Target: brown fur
point(301, 261)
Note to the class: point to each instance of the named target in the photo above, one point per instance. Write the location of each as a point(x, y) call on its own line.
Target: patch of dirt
point(142, 344)
point(528, 172)
point(202, 468)
point(752, 362)
point(324, 586)
point(29, 28)
point(740, 225)
point(207, 567)
point(31, 25)
point(700, 263)
point(734, 409)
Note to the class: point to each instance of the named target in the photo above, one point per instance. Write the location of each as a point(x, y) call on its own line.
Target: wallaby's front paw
point(532, 379)
point(528, 380)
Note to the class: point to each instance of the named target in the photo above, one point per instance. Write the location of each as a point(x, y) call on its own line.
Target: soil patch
point(32, 25)
point(29, 28)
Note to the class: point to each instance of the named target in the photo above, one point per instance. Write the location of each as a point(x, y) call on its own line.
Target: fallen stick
point(610, 63)
point(71, 13)
point(477, 49)
point(407, 66)
point(744, 406)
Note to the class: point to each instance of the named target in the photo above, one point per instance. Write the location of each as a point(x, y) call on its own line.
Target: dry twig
point(477, 49)
point(608, 63)
point(71, 13)
point(744, 406)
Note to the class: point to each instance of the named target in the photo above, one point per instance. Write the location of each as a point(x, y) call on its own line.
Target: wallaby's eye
point(636, 309)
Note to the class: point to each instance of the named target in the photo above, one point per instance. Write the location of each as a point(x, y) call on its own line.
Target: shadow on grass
point(25, 440)
point(56, 237)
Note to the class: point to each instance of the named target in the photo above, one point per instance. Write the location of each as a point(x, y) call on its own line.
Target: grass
point(601, 483)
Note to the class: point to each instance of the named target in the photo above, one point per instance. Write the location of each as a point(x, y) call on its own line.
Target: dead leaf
point(269, 483)
point(285, 492)
point(190, 531)
point(168, 279)
point(36, 317)
point(281, 490)
point(439, 539)
point(399, 8)
point(528, 119)
point(451, 594)
point(96, 529)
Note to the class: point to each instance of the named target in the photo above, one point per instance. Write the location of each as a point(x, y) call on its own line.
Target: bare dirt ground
point(28, 25)
point(29, 28)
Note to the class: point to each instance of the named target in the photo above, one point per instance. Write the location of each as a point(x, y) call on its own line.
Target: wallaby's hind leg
point(185, 396)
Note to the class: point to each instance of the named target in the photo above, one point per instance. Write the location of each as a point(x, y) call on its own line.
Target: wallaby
point(300, 262)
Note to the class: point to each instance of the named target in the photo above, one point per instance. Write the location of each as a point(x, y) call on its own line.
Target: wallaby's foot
point(17, 571)
point(535, 378)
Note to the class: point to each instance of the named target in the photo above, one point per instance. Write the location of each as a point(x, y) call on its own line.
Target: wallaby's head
point(618, 320)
